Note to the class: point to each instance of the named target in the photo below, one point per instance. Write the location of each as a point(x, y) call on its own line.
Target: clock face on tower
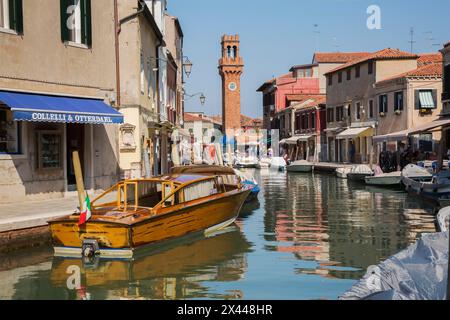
point(232, 86)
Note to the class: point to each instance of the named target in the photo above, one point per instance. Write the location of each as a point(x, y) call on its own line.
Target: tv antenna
point(316, 36)
point(412, 41)
point(336, 44)
point(431, 39)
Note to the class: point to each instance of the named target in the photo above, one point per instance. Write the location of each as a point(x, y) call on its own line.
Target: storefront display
point(49, 150)
point(9, 133)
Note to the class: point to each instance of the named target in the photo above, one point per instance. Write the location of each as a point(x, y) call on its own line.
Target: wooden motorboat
point(136, 213)
point(385, 179)
point(359, 173)
point(231, 176)
point(300, 166)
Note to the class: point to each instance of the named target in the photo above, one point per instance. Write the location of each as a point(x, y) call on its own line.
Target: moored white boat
point(278, 163)
point(264, 163)
point(385, 179)
point(342, 172)
point(359, 173)
point(437, 188)
point(300, 166)
point(247, 162)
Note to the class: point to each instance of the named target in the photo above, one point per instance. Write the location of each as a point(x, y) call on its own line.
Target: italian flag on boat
point(86, 214)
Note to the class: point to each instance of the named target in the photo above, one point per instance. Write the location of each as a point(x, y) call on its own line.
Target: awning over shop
point(355, 133)
point(396, 136)
point(403, 135)
point(295, 139)
point(46, 108)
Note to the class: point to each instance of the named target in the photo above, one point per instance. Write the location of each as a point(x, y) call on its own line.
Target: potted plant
point(398, 112)
point(382, 114)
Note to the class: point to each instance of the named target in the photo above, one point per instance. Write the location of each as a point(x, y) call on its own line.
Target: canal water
point(308, 237)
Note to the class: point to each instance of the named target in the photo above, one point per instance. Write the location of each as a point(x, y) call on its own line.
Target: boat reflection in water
point(172, 271)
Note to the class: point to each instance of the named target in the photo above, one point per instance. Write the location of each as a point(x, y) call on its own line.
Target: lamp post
point(187, 66)
point(190, 96)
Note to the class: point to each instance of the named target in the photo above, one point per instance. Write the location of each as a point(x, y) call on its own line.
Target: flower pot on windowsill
point(398, 112)
point(382, 114)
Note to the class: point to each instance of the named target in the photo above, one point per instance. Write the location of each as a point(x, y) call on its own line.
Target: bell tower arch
point(231, 67)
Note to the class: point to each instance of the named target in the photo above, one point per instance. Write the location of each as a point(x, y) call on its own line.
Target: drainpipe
point(116, 40)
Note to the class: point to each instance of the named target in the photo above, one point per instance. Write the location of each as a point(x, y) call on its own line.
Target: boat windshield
point(129, 194)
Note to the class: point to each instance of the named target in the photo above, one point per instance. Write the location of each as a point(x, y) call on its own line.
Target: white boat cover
point(301, 163)
point(277, 162)
point(362, 169)
point(443, 218)
point(411, 170)
point(417, 273)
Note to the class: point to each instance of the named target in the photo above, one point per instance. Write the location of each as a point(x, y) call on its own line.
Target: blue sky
point(277, 34)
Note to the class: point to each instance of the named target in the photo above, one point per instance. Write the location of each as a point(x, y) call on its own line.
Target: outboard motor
point(89, 250)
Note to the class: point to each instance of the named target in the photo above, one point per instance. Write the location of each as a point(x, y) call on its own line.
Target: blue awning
point(46, 108)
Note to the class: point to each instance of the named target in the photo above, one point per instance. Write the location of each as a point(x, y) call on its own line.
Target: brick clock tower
point(231, 66)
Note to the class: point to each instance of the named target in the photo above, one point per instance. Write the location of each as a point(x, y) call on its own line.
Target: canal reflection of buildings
point(179, 272)
point(343, 226)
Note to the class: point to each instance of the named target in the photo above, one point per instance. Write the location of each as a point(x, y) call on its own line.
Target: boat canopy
point(355, 133)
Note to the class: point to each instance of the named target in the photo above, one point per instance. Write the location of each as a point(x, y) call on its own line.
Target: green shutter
point(86, 26)
point(416, 100)
point(16, 15)
point(65, 34)
point(434, 95)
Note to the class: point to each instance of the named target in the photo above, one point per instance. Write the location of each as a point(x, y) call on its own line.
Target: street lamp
point(202, 99)
point(187, 66)
point(190, 96)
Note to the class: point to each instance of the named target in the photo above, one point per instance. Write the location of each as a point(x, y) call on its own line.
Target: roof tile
point(385, 54)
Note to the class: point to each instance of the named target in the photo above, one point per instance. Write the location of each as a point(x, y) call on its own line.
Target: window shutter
point(416, 100)
point(86, 26)
point(16, 15)
point(380, 104)
point(64, 4)
point(434, 94)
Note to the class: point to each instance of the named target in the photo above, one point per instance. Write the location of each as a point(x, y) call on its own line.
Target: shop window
point(11, 16)
point(10, 139)
point(76, 21)
point(49, 149)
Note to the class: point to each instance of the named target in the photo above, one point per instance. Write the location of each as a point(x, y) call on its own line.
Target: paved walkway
point(31, 214)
